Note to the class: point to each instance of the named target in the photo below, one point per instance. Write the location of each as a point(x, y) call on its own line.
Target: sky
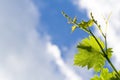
point(36, 42)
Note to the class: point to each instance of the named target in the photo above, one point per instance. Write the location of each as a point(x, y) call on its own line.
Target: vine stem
point(118, 75)
point(98, 43)
point(104, 54)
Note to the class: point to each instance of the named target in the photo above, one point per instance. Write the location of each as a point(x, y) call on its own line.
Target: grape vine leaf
point(114, 76)
point(87, 24)
point(104, 75)
point(74, 27)
point(95, 78)
point(109, 52)
point(89, 54)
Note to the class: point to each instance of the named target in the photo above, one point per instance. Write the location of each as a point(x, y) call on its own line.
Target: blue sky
point(36, 41)
point(56, 25)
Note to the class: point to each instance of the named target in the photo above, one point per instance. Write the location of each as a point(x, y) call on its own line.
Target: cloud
point(69, 73)
point(100, 8)
point(26, 54)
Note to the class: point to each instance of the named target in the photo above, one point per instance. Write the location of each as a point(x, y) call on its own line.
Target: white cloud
point(69, 73)
point(103, 7)
point(25, 54)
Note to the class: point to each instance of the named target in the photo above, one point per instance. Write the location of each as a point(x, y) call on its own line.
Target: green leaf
point(95, 78)
point(85, 25)
point(90, 22)
point(73, 27)
point(109, 52)
point(89, 54)
point(114, 76)
point(104, 75)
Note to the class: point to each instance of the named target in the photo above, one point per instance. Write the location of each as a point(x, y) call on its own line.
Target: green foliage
point(82, 25)
point(85, 25)
point(114, 76)
point(105, 75)
point(89, 54)
point(92, 51)
point(109, 52)
point(73, 27)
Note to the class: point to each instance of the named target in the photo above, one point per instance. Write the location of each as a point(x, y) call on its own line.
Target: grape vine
point(93, 52)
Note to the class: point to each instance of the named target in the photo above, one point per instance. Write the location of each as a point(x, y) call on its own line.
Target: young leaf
point(115, 76)
point(89, 54)
point(104, 75)
point(85, 25)
point(73, 27)
point(95, 78)
point(109, 52)
point(90, 22)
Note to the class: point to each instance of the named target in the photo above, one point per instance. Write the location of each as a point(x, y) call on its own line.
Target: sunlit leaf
point(73, 27)
point(109, 52)
point(85, 25)
point(90, 22)
point(104, 75)
point(89, 54)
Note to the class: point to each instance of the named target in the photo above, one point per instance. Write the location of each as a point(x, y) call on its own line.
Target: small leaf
point(90, 22)
point(95, 78)
point(73, 27)
point(109, 52)
point(85, 25)
point(104, 75)
point(115, 76)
